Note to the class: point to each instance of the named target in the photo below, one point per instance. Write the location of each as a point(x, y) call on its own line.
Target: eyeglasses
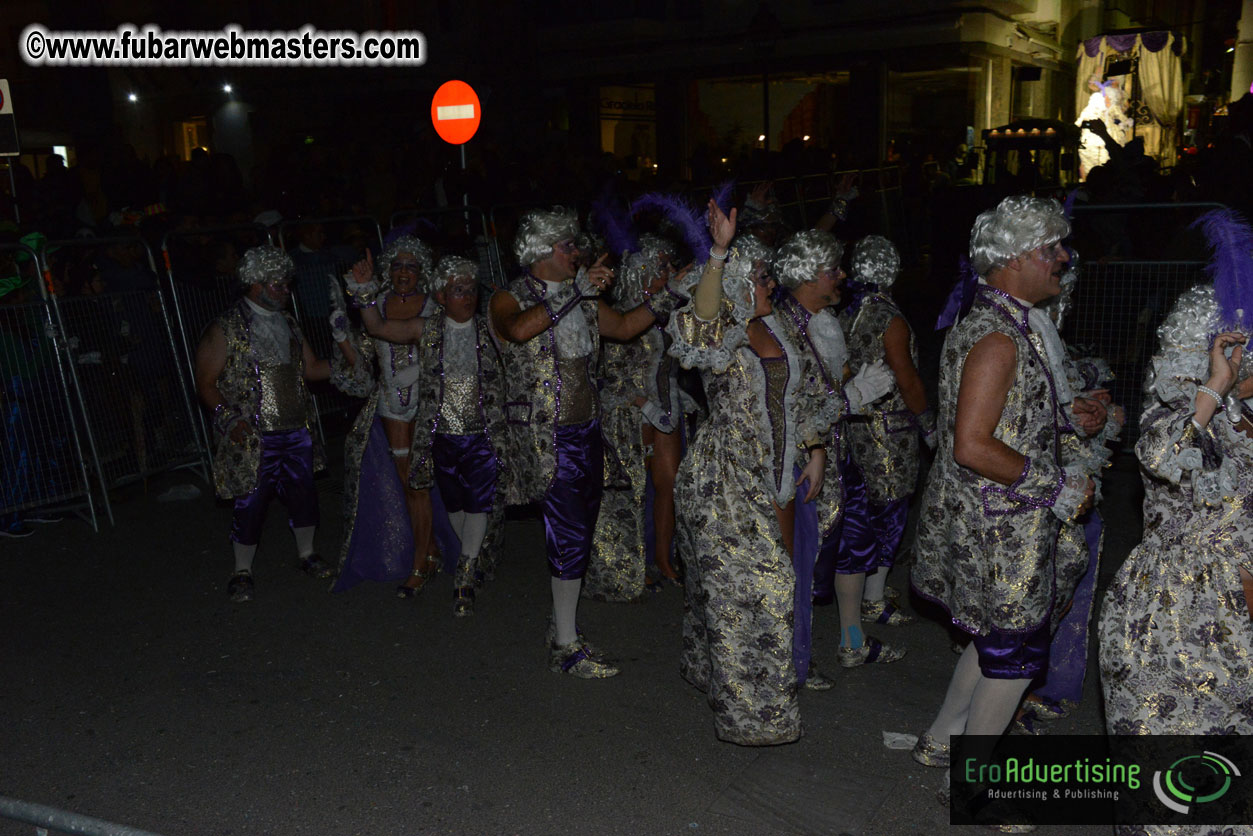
point(1053, 250)
point(566, 247)
point(412, 266)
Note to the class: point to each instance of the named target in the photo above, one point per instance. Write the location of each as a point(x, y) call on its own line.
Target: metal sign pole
point(17, 214)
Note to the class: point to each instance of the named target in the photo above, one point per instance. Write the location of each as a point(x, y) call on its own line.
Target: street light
point(226, 88)
point(134, 97)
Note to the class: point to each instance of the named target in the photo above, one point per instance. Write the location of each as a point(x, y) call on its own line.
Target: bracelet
point(1218, 399)
point(717, 257)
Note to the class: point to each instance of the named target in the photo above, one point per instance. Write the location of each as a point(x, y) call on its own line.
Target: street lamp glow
point(761, 138)
point(805, 138)
point(132, 97)
point(226, 88)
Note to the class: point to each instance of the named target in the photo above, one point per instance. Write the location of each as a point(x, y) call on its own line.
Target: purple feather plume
point(1068, 208)
point(690, 221)
point(1231, 267)
point(724, 196)
point(616, 225)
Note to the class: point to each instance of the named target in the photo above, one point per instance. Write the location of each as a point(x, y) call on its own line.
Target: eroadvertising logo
point(1101, 780)
point(1194, 779)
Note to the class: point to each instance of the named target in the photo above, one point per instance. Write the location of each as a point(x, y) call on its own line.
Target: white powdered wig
point(417, 248)
point(804, 254)
point(1184, 340)
point(640, 268)
point(752, 248)
point(1015, 227)
point(265, 264)
point(539, 229)
point(876, 261)
point(452, 267)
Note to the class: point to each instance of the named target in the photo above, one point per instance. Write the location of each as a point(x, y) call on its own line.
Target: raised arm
point(707, 297)
point(394, 331)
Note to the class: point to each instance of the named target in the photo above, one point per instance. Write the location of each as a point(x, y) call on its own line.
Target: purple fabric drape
point(286, 471)
point(1150, 41)
point(380, 547)
point(572, 502)
point(804, 556)
point(960, 297)
point(1068, 653)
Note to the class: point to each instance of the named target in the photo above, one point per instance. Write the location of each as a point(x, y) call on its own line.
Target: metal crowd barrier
point(47, 447)
point(53, 819)
point(121, 342)
point(338, 243)
point(1134, 262)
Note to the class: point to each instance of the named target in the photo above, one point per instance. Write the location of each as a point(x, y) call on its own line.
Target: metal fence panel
point(121, 342)
point(43, 458)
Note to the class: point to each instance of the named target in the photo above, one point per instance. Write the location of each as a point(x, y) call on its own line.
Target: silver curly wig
point(752, 248)
point(415, 247)
point(1016, 226)
point(539, 229)
point(640, 268)
point(876, 261)
point(453, 267)
point(1184, 339)
point(265, 264)
point(804, 254)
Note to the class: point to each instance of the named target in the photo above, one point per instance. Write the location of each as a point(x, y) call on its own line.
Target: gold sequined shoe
point(930, 752)
point(872, 651)
point(463, 601)
point(816, 680)
point(884, 612)
point(578, 660)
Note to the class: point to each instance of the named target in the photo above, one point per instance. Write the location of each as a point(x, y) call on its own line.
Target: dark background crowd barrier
point(97, 350)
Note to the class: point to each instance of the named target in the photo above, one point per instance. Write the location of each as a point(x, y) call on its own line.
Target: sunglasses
point(566, 247)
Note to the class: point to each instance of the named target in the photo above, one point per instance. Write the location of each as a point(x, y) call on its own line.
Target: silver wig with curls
point(876, 261)
point(752, 248)
point(1184, 340)
point(539, 229)
point(418, 249)
point(452, 267)
point(640, 268)
point(265, 264)
point(804, 254)
point(1015, 227)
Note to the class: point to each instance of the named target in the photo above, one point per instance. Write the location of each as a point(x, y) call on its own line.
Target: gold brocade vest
point(434, 396)
point(533, 391)
point(269, 398)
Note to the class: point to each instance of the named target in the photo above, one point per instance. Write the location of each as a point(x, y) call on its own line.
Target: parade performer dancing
point(251, 368)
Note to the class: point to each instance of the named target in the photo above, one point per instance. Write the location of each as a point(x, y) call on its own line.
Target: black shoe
point(240, 587)
point(315, 567)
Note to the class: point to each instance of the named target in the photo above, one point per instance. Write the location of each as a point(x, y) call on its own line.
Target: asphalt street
point(133, 690)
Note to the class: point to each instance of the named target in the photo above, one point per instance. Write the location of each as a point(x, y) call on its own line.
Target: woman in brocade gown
point(734, 496)
point(1176, 644)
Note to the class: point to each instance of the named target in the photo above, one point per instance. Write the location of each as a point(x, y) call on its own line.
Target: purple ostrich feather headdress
point(689, 220)
point(1231, 267)
point(615, 224)
point(724, 196)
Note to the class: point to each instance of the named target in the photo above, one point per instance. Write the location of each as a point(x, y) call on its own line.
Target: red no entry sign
point(455, 112)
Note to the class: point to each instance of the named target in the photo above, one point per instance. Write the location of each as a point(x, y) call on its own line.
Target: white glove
point(339, 326)
point(871, 383)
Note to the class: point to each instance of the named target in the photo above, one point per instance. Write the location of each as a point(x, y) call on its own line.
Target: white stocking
point(955, 711)
point(565, 609)
point(456, 519)
point(875, 583)
point(243, 557)
point(848, 595)
point(473, 530)
point(304, 540)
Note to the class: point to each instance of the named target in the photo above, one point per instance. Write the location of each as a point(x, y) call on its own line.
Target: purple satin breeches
point(572, 502)
point(286, 471)
point(1005, 655)
point(851, 547)
point(465, 471)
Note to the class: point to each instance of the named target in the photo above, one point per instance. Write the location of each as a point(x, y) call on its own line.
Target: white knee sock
point(875, 583)
point(954, 713)
point(456, 519)
point(848, 596)
point(471, 533)
point(566, 608)
point(304, 540)
point(993, 705)
point(243, 557)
